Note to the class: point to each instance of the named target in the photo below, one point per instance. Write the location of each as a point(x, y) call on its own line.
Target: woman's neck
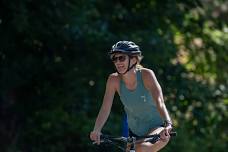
point(130, 77)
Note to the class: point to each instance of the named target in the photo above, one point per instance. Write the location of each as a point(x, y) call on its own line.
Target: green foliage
point(54, 65)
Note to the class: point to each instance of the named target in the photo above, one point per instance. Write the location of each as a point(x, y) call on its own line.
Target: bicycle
point(130, 142)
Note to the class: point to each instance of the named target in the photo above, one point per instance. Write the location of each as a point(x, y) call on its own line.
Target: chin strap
point(129, 68)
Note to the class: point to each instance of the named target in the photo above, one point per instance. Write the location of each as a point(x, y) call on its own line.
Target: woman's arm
point(151, 83)
point(105, 108)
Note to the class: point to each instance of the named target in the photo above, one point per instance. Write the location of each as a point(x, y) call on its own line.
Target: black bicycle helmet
point(126, 47)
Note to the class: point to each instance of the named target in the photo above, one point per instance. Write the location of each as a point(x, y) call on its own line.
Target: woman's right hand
point(95, 136)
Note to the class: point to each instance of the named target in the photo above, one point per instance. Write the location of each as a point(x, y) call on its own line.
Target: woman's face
point(121, 62)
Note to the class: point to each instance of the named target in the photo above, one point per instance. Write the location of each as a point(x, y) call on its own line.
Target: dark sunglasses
point(121, 58)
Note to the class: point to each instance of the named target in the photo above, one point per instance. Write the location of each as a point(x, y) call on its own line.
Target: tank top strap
point(140, 83)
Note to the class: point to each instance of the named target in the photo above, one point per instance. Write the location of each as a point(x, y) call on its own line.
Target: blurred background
point(54, 66)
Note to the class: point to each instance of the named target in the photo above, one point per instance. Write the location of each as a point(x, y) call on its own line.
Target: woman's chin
point(121, 71)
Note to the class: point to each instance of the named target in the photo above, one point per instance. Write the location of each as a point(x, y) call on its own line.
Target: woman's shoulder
point(148, 75)
point(114, 77)
point(113, 81)
point(147, 72)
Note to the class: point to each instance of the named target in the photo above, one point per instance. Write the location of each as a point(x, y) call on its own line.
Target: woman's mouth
point(120, 68)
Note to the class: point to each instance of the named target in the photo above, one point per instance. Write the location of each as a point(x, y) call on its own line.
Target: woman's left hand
point(164, 134)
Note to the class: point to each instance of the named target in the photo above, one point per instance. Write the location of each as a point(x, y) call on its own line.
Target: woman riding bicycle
point(140, 94)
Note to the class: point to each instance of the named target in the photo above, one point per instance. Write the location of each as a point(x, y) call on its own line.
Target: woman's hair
point(139, 59)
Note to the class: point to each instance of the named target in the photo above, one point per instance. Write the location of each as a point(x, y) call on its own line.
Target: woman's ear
point(134, 60)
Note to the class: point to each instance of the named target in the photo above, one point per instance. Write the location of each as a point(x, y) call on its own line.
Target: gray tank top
point(142, 114)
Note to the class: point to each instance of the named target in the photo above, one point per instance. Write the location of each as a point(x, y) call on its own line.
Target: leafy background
point(54, 65)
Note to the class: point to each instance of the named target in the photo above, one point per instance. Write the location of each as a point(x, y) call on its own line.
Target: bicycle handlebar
point(113, 140)
point(149, 138)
